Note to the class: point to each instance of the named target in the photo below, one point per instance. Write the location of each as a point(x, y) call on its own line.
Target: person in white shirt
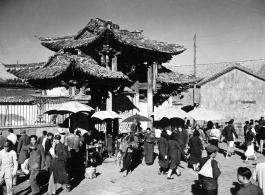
point(9, 166)
point(215, 135)
point(13, 138)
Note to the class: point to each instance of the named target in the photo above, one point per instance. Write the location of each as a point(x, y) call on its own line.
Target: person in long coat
point(174, 153)
point(163, 150)
point(58, 171)
point(196, 148)
point(149, 142)
point(48, 157)
point(183, 137)
point(127, 146)
point(23, 155)
point(36, 162)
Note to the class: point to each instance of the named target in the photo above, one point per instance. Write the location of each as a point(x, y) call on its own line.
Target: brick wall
point(236, 95)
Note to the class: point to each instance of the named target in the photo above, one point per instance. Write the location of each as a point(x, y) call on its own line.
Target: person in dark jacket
point(230, 134)
point(261, 136)
point(244, 176)
point(163, 150)
point(196, 148)
point(58, 170)
point(149, 141)
point(174, 154)
point(245, 128)
point(256, 127)
point(2, 141)
point(48, 145)
point(250, 140)
point(210, 184)
point(23, 155)
point(36, 162)
point(183, 137)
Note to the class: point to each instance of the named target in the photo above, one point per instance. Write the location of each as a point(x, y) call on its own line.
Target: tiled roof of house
point(167, 76)
point(58, 64)
point(228, 69)
point(96, 29)
point(208, 70)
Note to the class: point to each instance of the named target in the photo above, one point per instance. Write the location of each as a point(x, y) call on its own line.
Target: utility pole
point(194, 72)
point(194, 62)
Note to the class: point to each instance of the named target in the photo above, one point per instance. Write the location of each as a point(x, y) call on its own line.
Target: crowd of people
point(65, 155)
point(187, 144)
point(62, 155)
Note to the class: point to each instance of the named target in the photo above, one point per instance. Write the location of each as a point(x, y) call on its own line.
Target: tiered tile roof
point(58, 64)
point(96, 29)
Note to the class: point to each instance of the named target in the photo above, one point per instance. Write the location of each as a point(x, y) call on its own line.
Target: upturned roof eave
point(140, 41)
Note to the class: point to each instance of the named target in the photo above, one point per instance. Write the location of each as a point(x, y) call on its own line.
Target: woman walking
point(149, 141)
point(58, 173)
point(163, 150)
point(174, 154)
point(196, 148)
point(250, 140)
point(214, 135)
point(183, 137)
point(48, 145)
point(202, 135)
point(126, 146)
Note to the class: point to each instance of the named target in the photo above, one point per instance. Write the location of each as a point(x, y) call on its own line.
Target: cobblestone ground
point(145, 179)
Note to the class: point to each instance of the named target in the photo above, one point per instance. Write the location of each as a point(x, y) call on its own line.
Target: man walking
point(23, 155)
point(230, 134)
point(9, 167)
point(36, 162)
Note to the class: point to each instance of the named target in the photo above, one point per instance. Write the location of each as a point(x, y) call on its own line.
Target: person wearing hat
point(58, 170)
point(36, 162)
point(9, 167)
point(23, 155)
point(2, 140)
point(209, 178)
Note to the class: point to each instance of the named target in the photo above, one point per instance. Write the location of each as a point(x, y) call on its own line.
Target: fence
point(28, 113)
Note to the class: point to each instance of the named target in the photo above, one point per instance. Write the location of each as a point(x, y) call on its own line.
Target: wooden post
point(154, 77)
point(136, 95)
point(109, 98)
point(170, 100)
point(114, 63)
point(109, 101)
point(150, 103)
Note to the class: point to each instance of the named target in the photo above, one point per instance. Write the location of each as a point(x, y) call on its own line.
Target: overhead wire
point(232, 40)
point(245, 5)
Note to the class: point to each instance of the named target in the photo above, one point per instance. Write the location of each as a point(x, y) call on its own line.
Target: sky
point(226, 30)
